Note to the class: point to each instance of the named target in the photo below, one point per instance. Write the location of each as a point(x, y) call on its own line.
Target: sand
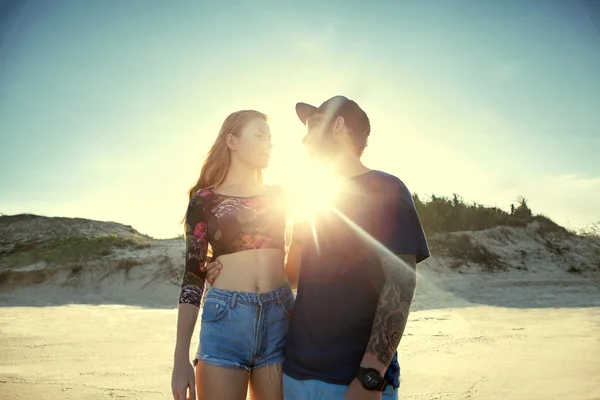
point(470, 336)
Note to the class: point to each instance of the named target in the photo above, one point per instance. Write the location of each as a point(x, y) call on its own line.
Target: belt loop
point(278, 296)
point(233, 300)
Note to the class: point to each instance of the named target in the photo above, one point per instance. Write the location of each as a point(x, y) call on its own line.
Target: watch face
point(371, 379)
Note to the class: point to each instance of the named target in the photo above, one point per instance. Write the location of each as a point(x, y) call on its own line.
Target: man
point(356, 263)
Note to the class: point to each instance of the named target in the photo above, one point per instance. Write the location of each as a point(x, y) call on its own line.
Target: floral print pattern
point(229, 206)
point(200, 231)
point(255, 241)
point(190, 295)
point(228, 225)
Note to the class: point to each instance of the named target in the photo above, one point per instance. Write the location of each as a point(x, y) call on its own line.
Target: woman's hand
point(183, 379)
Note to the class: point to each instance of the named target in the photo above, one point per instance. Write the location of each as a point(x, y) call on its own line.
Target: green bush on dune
point(70, 249)
point(441, 214)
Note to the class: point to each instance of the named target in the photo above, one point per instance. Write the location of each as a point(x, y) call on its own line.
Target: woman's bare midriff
point(255, 271)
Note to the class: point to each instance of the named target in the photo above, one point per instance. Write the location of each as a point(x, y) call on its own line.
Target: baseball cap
point(338, 106)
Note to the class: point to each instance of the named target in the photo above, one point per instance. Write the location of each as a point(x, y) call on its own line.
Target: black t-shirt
point(341, 280)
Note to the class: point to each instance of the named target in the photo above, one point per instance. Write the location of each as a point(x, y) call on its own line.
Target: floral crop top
point(228, 224)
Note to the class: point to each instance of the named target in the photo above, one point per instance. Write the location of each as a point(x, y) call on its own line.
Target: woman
point(245, 314)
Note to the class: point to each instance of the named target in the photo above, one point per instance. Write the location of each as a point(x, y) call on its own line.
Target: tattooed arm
point(392, 310)
point(398, 228)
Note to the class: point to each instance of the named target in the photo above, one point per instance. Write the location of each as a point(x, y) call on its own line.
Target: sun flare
point(311, 189)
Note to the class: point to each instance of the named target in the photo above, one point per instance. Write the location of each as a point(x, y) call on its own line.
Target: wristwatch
point(371, 379)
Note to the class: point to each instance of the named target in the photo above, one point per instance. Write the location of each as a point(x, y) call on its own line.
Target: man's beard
point(327, 149)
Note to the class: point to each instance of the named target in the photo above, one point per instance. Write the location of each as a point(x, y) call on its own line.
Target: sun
point(311, 188)
point(310, 185)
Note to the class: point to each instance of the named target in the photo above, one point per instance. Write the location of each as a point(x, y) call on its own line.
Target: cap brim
point(305, 111)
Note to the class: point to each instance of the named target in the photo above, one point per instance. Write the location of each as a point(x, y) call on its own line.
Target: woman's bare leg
point(266, 383)
point(218, 383)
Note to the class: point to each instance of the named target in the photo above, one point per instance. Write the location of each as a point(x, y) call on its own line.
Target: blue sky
point(107, 108)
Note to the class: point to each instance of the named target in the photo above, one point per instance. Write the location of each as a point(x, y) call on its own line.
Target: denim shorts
point(244, 330)
point(294, 389)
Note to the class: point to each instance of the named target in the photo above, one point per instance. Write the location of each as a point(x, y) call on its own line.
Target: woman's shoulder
point(201, 196)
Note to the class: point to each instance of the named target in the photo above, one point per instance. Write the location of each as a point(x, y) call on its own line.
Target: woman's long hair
point(216, 165)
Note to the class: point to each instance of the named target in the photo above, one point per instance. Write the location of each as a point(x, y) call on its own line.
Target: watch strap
point(381, 385)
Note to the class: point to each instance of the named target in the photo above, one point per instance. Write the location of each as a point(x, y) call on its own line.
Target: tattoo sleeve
point(393, 307)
